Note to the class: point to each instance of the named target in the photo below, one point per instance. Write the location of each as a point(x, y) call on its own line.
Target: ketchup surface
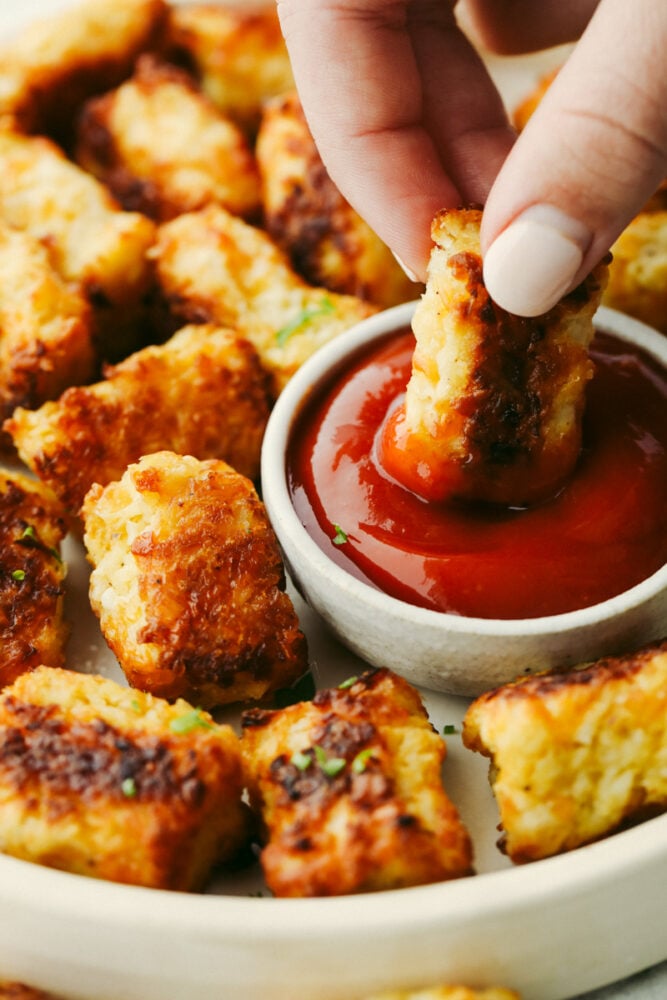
point(604, 532)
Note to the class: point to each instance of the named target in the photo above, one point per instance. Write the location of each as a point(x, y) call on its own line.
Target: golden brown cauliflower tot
point(90, 240)
point(238, 55)
point(214, 267)
point(202, 393)
point(328, 243)
point(577, 753)
point(100, 780)
point(349, 789)
point(494, 405)
point(46, 333)
point(638, 273)
point(188, 582)
point(56, 62)
point(32, 574)
point(162, 148)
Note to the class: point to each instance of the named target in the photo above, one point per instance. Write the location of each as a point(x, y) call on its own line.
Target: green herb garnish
point(301, 760)
point(135, 706)
point(449, 729)
point(340, 537)
point(360, 761)
point(348, 683)
point(331, 766)
point(18, 574)
point(191, 720)
point(129, 788)
point(325, 308)
point(30, 540)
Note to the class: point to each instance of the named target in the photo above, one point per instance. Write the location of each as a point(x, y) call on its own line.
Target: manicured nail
point(532, 264)
point(408, 272)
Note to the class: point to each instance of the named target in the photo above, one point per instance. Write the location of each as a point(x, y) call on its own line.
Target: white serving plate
point(551, 929)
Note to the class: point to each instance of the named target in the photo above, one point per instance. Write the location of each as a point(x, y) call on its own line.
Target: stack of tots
point(172, 251)
point(147, 321)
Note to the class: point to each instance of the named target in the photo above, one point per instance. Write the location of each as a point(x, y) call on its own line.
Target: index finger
point(402, 109)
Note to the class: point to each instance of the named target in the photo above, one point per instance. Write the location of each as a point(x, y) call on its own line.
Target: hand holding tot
point(408, 122)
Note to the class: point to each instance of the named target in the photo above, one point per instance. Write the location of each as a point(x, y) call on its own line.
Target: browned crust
point(213, 622)
point(210, 402)
point(99, 780)
point(76, 763)
point(32, 628)
point(53, 92)
point(359, 826)
point(593, 675)
point(575, 755)
point(143, 175)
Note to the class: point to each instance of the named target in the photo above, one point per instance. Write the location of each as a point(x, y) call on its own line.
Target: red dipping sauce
point(604, 532)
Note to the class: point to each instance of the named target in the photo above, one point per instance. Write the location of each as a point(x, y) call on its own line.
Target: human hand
point(408, 122)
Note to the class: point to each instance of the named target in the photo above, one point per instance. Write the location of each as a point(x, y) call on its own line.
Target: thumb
point(588, 159)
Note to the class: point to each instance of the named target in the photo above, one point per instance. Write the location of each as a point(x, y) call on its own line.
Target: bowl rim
point(316, 372)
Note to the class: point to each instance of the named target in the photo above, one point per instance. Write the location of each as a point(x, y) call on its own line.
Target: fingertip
point(409, 273)
point(532, 263)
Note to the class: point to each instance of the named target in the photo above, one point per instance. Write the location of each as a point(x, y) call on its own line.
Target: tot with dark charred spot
point(349, 790)
point(33, 629)
point(328, 243)
point(213, 267)
point(162, 148)
point(494, 406)
point(103, 781)
point(202, 393)
point(188, 582)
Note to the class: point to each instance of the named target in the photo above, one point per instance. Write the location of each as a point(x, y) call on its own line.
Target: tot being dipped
point(494, 405)
point(494, 502)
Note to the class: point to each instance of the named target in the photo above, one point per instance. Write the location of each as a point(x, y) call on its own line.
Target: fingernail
point(532, 264)
point(408, 272)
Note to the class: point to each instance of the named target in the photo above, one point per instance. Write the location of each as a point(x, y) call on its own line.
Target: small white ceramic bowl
point(443, 652)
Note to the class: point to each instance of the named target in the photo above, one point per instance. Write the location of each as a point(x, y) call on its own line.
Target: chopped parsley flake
point(331, 766)
point(344, 685)
point(30, 540)
point(340, 537)
point(301, 760)
point(129, 788)
point(360, 761)
point(325, 308)
point(18, 574)
point(191, 720)
point(449, 729)
point(135, 706)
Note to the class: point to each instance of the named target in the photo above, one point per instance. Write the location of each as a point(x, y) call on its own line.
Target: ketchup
point(604, 532)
